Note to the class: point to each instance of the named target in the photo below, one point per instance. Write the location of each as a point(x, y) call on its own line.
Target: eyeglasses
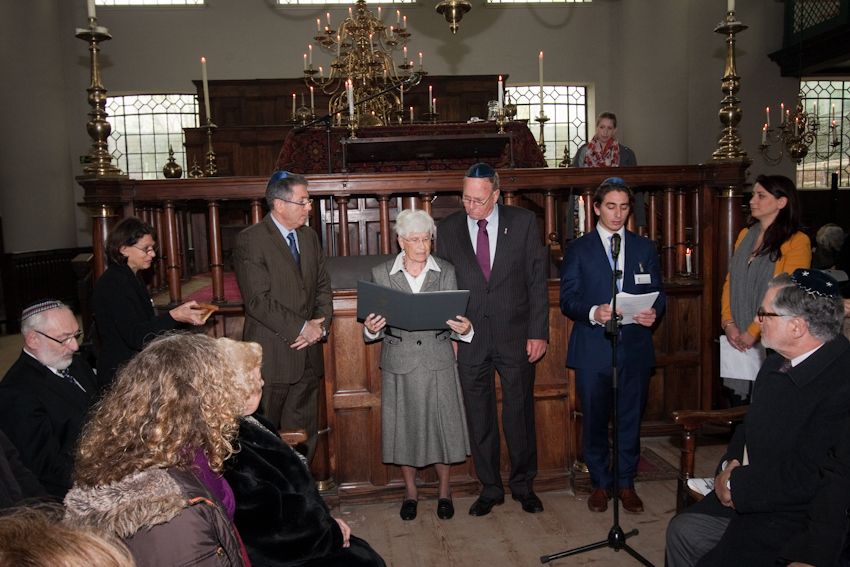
point(149, 250)
point(75, 337)
point(417, 241)
point(476, 202)
point(761, 314)
point(304, 204)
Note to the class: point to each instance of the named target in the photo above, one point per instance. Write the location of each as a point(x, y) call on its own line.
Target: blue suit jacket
point(586, 281)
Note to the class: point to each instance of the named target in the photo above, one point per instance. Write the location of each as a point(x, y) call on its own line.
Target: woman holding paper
point(771, 244)
point(423, 421)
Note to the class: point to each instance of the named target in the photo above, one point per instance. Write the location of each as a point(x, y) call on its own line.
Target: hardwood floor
point(510, 537)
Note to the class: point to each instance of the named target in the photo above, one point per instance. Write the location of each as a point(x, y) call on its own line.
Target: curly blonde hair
point(243, 357)
point(172, 399)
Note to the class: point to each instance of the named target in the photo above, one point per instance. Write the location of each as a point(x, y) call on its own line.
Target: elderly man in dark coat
point(770, 471)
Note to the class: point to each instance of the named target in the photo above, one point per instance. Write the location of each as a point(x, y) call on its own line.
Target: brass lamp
point(453, 10)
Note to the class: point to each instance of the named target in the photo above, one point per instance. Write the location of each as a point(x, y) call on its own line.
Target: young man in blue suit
point(586, 275)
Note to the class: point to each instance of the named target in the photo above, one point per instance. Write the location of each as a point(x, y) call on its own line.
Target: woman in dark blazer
point(125, 316)
point(422, 413)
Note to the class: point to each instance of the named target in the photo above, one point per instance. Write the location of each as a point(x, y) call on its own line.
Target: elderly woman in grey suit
point(423, 419)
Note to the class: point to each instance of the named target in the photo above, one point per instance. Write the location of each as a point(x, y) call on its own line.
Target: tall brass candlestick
point(729, 145)
point(98, 128)
point(211, 171)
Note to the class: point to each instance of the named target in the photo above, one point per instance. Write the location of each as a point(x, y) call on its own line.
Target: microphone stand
point(616, 539)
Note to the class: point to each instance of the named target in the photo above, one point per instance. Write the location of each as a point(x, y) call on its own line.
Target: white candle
point(305, 61)
point(349, 13)
point(420, 63)
point(319, 25)
point(379, 13)
point(767, 115)
point(312, 101)
point(371, 45)
point(405, 22)
point(832, 113)
point(92, 13)
point(411, 115)
point(310, 51)
point(397, 17)
point(329, 19)
point(402, 96)
point(541, 83)
point(688, 257)
point(338, 45)
point(206, 86)
point(581, 217)
point(782, 114)
point(434, 106)
point(405, 55)
point(430, 96)
point(293, 104)
point(321, 73)
point(730, 5)
point(501, 93)
point(350, 99)
point(764, 135)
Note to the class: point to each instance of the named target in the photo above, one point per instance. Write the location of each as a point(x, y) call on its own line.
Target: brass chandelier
point(798, 133)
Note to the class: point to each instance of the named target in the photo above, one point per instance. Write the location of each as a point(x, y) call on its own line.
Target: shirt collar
point(398, 265)
point(798, 359)
point(283, 230)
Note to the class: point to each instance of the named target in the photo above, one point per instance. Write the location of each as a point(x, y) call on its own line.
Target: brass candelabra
point(729, 145)
point(362, 48)
point(797, 133)
point(98, 128)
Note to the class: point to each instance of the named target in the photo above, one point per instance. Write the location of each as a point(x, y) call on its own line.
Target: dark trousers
point(479, 393)
point(595, 392)
point(295, 406)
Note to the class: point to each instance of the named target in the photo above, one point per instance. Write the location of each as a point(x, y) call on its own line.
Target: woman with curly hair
point(280, 515)
point(148, 456)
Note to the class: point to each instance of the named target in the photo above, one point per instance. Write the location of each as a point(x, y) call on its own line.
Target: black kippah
point(481, 170)
point(815, 282)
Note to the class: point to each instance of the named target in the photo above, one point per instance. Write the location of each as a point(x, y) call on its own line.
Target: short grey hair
point(414, 220)
point(824, 316)
point(830, 236)
point(282, 188)
point(37, 322)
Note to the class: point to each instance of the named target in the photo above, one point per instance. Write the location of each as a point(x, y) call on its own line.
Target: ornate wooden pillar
point(696, 256)
point(172, 265)
point(668, 251)
point(425, 201)
point(216, 259)
point(550, 225)
point(384, 211)
point(652, 217)
point(681, 221)
point(729, 202)
point(181, 245)
point(256, 211)
point(342, 207)
point(103, 219)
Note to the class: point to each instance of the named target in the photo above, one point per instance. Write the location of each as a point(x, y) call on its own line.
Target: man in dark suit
point(280, 269)
point(498, 256)
point(586, 287)
point(769, 474)
point(46, 395)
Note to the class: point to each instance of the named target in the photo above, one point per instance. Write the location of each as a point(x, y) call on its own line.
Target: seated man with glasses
point(46, 395)
point(769, 474)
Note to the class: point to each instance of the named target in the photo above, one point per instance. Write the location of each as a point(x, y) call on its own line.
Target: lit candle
point(411, 115)
point(782, 114)
point(206, 86)
point(420, 62)
point(764, 135)
point(338, 45)
point(796, 125)
point(385, 75)
point(501, 93)
point(730, 5)
point(767, 115)
point(319, 25)
point(310, 51)
point(402, 96)
point(834, 135)
point(350, 99)
point(541, 83)
point(329, 19)
point(405, 22)
point(405, 55)
point(688, 253)
point(430, 96)
point(581, 213)
point(312, 101)
point(371, 45)
point(832, 113)
point(397, 17)
point(92, 14)
point(350, 14)
point(293, 104)
point(305, 61)
point(434, 106)
point(815, 109)
point(392, 33)
point(321, 73)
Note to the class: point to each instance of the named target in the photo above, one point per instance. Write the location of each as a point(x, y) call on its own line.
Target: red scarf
point(597, 156)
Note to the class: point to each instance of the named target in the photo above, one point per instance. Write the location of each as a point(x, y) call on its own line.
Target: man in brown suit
point(280, 269)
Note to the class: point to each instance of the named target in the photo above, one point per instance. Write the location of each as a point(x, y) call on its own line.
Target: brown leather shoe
point(631, 501)
point(598, 501)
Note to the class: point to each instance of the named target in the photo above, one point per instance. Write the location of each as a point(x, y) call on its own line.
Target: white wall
point(656, 63)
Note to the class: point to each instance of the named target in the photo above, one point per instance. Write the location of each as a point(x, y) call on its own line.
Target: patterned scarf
point(597, 156)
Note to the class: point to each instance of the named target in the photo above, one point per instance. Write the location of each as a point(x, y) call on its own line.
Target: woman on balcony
point(125, 317)
point(422, 413)
point(279, 513)
point(771, 244)
point(604, 150)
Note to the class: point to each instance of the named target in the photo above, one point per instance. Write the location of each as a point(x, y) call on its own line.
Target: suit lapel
point(67, 390)
point(466, 244)
point(399, 281)
point(502, 235)
point(281, 245)
point(431, 278)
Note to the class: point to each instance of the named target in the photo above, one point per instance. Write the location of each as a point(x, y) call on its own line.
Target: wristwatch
point(324, 331)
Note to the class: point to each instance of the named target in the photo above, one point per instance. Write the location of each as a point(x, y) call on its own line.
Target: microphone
point(615, 246)
point(412, 80)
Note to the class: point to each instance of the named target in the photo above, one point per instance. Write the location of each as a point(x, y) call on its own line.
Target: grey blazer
point(403, 351)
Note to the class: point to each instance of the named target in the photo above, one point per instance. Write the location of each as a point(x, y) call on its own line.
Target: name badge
point(642, 279)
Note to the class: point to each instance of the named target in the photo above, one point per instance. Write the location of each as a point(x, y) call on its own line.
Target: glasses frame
point(75, 337)
point(429, 240)
point(151, 249)
point(309, 202)
point(468, 201)
point(761, 314)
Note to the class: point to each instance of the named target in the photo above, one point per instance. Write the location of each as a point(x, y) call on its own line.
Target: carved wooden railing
point(196, 218)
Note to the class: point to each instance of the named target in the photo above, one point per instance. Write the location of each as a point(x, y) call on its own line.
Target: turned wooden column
point(172, 265)
point(181, 245)
point(509, 197)
point(384, 210)
point(695, 231)
point(216, 259)
point(103, 219)
point(550, 225)
point(256, 211)
point(681, 216)
point(668, 250)
point(342, 208)
point(729, 202)
point(652, 217)
point(425, 200)
point(589, 213)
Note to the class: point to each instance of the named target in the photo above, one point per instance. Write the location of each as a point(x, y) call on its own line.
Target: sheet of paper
point(631, 304)
point(741, 365)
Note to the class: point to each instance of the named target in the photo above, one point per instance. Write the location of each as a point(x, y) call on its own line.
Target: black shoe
point(483, 505)
point(408, 510)
point(445, 509)
point(530, 502)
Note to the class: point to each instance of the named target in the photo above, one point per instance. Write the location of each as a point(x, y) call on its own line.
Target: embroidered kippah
point(614, 181)
point(815, 282)
point(39, 306)
point(481, 170)
point(277, 176)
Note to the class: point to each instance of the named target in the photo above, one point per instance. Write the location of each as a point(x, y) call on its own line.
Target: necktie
point(786, 366)
point(482, 251)
point(66, 374)
point(613, 265)
point(294, 249)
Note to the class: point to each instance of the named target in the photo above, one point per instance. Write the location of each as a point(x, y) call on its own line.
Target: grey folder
point(410, 311)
